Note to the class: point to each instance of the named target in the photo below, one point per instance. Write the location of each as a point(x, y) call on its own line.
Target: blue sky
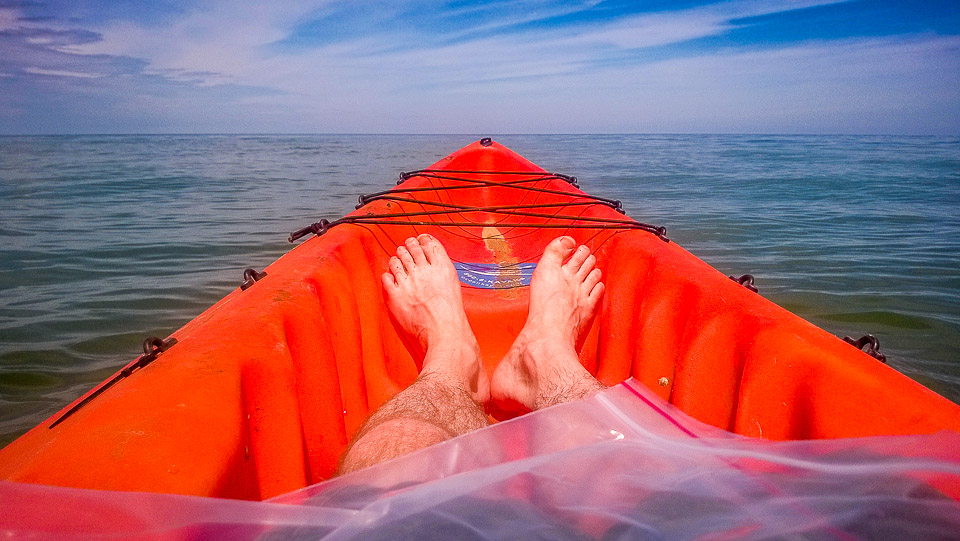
point(503, 66)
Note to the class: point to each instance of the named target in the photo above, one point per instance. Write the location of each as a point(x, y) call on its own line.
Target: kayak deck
point(261, 392)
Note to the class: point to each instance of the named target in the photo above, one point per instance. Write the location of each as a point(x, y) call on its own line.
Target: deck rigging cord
point(558, 221)
point(152, 348)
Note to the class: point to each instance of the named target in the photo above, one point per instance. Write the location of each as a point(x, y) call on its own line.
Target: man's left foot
point(542, 367)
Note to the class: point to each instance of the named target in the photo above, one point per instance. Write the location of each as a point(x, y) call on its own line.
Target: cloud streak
point(61, 73)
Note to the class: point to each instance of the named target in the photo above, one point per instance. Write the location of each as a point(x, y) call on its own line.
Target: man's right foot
point(423, 295)
point(542, 368)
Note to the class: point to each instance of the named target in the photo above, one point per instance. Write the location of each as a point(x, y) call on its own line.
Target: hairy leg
point(542, 368)
point(423, 295)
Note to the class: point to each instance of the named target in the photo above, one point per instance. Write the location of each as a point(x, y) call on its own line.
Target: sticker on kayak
point(494, 275)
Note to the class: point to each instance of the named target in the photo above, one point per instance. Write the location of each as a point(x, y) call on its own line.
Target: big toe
point(432, 249)
point(558, 250)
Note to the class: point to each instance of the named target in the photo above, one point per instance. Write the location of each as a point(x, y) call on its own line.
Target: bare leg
point(542, 368)
point(423, 294)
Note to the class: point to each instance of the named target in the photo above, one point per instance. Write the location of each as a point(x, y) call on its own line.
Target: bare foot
point(542, 368)
point(423, 294)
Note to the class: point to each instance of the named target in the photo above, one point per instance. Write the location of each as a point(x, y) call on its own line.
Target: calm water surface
point(107, 240)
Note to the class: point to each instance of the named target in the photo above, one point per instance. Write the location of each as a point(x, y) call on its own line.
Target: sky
point(495, 67)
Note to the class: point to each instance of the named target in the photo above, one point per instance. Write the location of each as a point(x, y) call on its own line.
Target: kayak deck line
point(152, 348)
point(324, 225)
point(438, 174)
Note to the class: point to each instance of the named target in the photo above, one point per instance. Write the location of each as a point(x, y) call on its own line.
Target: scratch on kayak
point(494, 240)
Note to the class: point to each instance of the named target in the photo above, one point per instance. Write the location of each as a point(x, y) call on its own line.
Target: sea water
point(105, 240)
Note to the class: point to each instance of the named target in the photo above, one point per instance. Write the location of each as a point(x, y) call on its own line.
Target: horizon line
point(474, 134)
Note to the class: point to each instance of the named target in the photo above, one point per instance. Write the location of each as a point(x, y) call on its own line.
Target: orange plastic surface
point(263, 390)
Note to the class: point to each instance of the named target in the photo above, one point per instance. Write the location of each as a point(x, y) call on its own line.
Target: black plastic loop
point(746, 281)
point(152, 347)
point(571, 180)
point(661, 232)
point(869, 344)
point(361, 201)
point(486, 141)
point(318, 228)
point(250, 277)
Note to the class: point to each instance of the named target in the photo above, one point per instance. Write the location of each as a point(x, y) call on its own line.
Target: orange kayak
point(260, 394)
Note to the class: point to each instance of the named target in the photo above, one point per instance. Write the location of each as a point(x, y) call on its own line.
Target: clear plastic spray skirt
point(623, 464)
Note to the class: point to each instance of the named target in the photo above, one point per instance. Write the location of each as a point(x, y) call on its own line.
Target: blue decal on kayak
point(495, 275)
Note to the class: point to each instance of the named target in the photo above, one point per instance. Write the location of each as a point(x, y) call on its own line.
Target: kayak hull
point(262, 391)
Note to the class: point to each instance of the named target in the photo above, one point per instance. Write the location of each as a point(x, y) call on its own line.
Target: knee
point(388, 440)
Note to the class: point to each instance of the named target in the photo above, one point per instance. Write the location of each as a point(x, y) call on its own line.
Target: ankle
point(450, 338)
point(557, 350)
point(574, 384)
point(550, 330)
point(452, 357)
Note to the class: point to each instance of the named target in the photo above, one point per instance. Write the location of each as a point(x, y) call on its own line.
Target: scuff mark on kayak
point(509, 271)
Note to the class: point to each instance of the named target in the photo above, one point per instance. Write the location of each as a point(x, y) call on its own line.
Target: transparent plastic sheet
point(621, 465)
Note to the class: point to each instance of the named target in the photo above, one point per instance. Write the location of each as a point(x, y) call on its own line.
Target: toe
point(389, 282)
point(595, 294)
point(558, 250)
point(404, 255)
point(396, 267)
point(591, 280)
point(432, 249)
point(416, 252)
point(576, 260)
point(588, 266)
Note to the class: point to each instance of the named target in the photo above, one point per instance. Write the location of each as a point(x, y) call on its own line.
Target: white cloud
point(214, 45)
point(9, 19)
point(62, 73)
point(873, 86)
point(654, 30)
point(226, 43)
